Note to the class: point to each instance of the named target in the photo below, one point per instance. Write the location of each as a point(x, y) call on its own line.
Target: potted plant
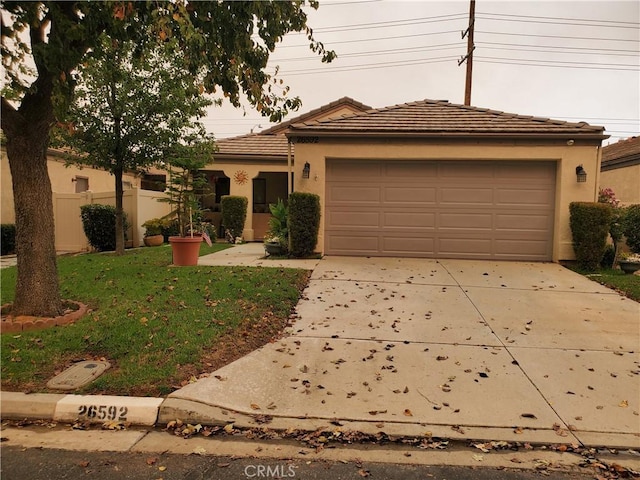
point(186, 186)
point(153, 232)
point(276, 242)
point(629, 262)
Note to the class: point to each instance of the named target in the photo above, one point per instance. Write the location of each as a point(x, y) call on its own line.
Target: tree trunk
point(37, 290)
point(119, 212)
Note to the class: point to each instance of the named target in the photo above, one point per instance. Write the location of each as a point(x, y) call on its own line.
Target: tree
point(215, 37)
point(131, 105)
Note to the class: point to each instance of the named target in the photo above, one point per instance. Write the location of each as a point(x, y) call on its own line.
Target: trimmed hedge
point(589, 228)
point(631, 224)
point(7, 238)
point(99, 225)
point(304, 223)
point(234, 214)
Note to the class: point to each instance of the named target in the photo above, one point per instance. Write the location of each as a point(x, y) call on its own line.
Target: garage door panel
point(464, 247)
point(355, 219)
point(466, 172)
point(522, 222)
point(355, 172)
point(345, 244)
point(472, 196)
point(355, 194)
point(530, 196)
point(407, 246)
point(409, 219)
point(514, 248)
point(450, 209)
point(406, 170)
point(466, 220)
point(409, 195)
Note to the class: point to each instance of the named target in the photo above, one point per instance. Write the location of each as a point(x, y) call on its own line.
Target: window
point(82, 184)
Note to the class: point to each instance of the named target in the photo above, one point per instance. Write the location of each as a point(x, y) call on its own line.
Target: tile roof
point(441, 118)
point(621, 149)
point(254, 144)
point(335, 105)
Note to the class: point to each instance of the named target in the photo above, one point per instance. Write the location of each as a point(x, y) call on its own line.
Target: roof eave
point(307, 132)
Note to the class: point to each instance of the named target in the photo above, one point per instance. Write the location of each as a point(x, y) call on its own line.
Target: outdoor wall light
point(306, 170)
point(581, 174)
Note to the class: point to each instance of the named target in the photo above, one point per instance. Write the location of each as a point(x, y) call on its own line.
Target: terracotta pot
point(153, 240)
point(185, 250)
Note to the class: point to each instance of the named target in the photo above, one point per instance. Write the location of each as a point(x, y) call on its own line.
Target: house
point(425, 179)
point(65, 179)
point(256, 166)
point(620, 169)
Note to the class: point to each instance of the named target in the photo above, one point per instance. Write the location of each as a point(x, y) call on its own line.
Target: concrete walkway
point(511, 351)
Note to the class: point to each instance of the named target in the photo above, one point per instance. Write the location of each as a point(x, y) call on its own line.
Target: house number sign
point(103, 412)
point(306, 140)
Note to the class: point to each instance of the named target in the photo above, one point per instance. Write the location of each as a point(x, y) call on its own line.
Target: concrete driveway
point(483, 350)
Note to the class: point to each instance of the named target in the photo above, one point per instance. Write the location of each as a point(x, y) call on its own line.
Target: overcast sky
point(568, 60)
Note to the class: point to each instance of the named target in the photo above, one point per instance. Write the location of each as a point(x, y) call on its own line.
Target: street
point(51, 464)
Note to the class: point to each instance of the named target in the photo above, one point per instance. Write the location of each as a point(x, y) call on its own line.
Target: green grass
point(153, 322)
point(628, 285)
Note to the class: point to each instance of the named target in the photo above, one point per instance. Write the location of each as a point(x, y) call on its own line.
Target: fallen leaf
point(84, 464)
point(199, 451)
point(529, 415)
point(478, 458)
point(364, 473)
point(152, 460)
point(162, 469)
point(255, 406)
point(228, 428)
point(623, 404)
point(407, 413)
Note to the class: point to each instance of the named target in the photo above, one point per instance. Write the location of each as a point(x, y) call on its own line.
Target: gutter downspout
point(598, 166)
point(289, 185)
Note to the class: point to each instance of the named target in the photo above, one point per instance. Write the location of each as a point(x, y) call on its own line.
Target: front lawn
point(628, 285)
point(157, 325)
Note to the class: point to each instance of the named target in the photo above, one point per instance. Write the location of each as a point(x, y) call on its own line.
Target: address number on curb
point(104, 412)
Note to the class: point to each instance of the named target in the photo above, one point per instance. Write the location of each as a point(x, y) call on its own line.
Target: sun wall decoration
point(241, 177)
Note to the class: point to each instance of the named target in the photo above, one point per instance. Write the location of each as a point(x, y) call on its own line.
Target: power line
point(635, 27)
point(529, 63)
point(558, 36)
point(556, 47)
point(389, 23)
point(368, 66)
point(544, 50)
point(560, 18)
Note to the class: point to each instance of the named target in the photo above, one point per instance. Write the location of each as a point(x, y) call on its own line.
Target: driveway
point(528, 352)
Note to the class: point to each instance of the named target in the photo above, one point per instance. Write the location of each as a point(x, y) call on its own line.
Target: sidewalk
point(413, 347)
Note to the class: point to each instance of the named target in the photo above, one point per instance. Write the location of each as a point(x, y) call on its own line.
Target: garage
point(475, 209)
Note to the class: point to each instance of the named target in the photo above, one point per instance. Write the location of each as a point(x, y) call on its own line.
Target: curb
point(70, 408)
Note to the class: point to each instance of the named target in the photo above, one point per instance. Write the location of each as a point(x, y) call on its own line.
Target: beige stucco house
point(64, 179)
point(620, 169)
point(422, 179)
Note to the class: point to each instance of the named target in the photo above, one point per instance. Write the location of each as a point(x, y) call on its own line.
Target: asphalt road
point(51, 464)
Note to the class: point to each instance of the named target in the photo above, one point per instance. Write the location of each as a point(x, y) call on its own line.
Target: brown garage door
point(440, 209)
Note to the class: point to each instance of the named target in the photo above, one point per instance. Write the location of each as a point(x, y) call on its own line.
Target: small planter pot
point(185, 250)
point(153, 240)
point(629, 267)
point(273, 248)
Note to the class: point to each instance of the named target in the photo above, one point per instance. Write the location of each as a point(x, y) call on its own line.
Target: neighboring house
point(64, 179)
point(424, 179)
point(620, 169)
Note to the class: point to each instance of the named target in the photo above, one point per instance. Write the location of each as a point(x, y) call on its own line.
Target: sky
point(566, 60)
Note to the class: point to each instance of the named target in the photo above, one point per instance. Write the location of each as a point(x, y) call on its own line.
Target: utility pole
point(470, 48)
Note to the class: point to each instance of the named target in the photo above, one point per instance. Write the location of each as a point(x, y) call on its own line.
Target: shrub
point(631, 227)
point(153, 226)
point(589, 228)
point(234, 214)
point(170, 228)
point(99, 225)
point(7, 238)
point(279, 224)
point(304, 223)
